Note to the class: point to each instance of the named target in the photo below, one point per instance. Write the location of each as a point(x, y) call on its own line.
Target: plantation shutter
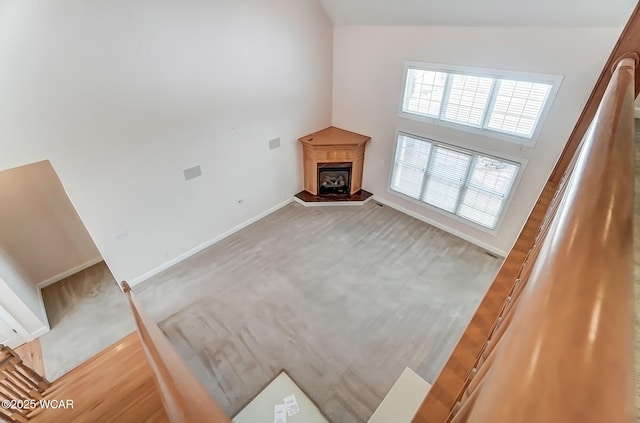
point(467, 99)
point(518, 106)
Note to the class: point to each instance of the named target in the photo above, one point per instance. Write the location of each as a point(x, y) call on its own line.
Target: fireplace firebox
point(334, 178)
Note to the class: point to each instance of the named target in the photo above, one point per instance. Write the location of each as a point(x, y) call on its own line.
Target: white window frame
point(465, 148)
point(553, 80)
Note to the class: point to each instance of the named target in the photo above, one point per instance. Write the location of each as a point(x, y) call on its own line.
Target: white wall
point(121, 96)
point(368, 78)
point(39, 228)
point(21, 297)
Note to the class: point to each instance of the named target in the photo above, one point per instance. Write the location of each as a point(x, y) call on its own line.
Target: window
point(471, 185)
point(508, 104)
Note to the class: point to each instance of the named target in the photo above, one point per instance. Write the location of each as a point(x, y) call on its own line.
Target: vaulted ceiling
point(480, 12)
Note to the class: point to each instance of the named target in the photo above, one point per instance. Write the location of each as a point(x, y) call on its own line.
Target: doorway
point(10, 330)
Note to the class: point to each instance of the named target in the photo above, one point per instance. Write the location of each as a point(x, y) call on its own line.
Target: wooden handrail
point(629, 40)
point(184, 398)
point(568, 353)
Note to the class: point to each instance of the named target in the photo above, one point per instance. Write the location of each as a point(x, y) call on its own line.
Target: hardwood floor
point(114, 386)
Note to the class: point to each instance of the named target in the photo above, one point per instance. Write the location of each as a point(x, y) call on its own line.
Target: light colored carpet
point(342, 298)
point(87, 313)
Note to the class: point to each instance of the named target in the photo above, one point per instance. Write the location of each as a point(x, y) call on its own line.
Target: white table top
point(261, 408)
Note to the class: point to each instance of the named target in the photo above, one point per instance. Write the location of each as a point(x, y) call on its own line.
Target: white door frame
point(11, 321)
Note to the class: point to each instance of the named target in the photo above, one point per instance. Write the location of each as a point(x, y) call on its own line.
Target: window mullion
point(410, 82)
point(427, 172)
point(495, 88)
point(465, 185)
point(445, 95)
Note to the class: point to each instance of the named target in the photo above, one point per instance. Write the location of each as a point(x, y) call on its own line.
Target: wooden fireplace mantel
point(333, 145)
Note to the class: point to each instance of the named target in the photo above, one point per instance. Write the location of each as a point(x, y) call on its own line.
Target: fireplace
point(334, 178)
point(333, 163)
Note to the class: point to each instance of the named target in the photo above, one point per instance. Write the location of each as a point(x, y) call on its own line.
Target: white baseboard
point(445, 228)
point(636, 112)
point(39, 332)
point(206, 244)
point(332, 203)
point(67, 273)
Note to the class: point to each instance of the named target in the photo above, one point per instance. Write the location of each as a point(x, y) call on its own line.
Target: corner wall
point(368, 79)
point(21, 297)
point(39, 228)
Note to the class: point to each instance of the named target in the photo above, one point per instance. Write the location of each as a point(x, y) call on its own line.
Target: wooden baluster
point(21, 380)
point(37, 382)
point(13, 416)
point(8, 382)
point(16, 382)
point(8, 390)
point(24, 378)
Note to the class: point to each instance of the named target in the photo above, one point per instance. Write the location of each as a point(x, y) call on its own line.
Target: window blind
point(446, 176)
point(471, 185)
point(412, 157)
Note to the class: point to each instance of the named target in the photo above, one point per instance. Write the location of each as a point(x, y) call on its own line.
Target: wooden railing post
point(184, 398)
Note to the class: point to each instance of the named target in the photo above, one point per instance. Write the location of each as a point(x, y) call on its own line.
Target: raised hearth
point(333, 161)
point(357, 199)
